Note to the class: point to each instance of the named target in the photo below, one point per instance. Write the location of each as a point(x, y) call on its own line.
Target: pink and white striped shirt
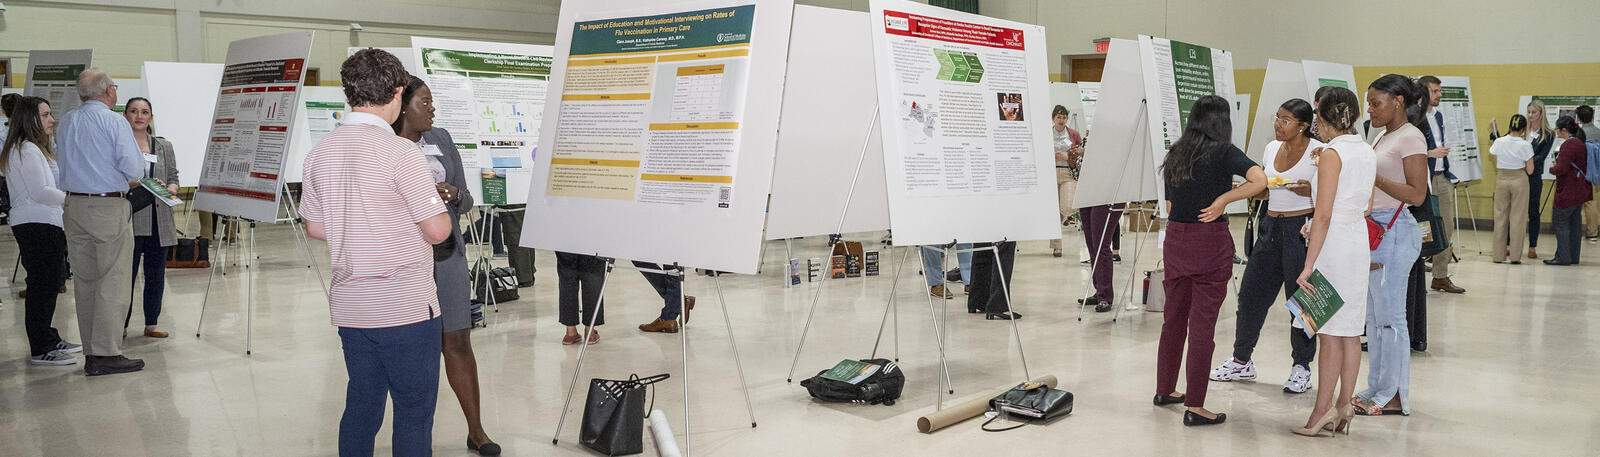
point(369, 188)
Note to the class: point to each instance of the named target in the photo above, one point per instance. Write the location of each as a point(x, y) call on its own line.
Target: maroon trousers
point(1199, 261)
point(1099, 225)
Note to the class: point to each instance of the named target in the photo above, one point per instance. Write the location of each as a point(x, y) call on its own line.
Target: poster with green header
point(1556, 106)
point(53, 76)
point(1176, 75)
point(490, 97)
point(1460, 127)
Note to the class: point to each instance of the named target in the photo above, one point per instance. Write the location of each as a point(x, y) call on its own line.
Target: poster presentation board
point(490, 97)
point(1117, 160)
point(1176, 75)
point(406, 56)
point(253, 125)
point(187, 102)
point(1556, 106)
point(827, 111)
point(322, 108)
point(1286, 80)
point(966, 125)
point(1068, 96)
point(127, 88)
point(1090, 91)
point(53, 76)
point(667, 119)
point(1461, 127)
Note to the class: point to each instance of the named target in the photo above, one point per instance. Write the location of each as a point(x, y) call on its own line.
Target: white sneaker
point(69, 348)
point(55, 357)
point(1234, 371)
point(1299, 380)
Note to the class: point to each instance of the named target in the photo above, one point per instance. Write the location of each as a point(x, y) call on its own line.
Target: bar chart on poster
point(253, 125)
point(490, 97)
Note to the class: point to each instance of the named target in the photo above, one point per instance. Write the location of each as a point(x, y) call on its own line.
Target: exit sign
point(1101, 45)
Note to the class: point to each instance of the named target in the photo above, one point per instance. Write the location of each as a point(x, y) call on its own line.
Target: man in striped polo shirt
point(370, 195)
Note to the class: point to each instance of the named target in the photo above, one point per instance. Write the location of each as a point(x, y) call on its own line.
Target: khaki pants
point(1066, 188)
point(1447, 216)
point(1591, 220)
point(1510, 212)
point(100, 246)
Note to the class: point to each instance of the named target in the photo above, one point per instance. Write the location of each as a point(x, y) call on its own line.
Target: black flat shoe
point(974, 311)
point(1164, 400)
point(1003, 316)
point(1103, 307)
point(1191, 419)
point(1554, 262)
point(1116, 257)
point(489, 448)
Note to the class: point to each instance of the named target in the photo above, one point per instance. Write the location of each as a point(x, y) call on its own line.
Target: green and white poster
point(490, 97)
point(53, 75)
point(1556, 106)
point(1176, 75)
point(1460, 127)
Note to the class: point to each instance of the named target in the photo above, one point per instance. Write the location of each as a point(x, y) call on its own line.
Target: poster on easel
point(1461, 127)
point(53, 76)
point(490, 97)
point(660, 127)
point(965, 103)
point(321, 109)
point(1177, 75)
point(1117, 166)
point(1556, 106)
point(827, 114)
point(1090, 93)
point(1287, 80)
point(187, 104)
point(252, 126)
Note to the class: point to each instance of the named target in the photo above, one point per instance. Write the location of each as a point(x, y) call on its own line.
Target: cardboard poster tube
point(972, 408)
point(665, 444)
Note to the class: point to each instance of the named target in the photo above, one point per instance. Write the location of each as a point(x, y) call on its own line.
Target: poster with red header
point(251, 126)
point(965, 104)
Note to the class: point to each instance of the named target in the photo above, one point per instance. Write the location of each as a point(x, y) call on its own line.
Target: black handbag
point(613, 415)
point(1434, 240)
point(190, 253)
point(139, 198)
point(1033, 401)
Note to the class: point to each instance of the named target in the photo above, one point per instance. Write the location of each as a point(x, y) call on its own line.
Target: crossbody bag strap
point(1395, 218)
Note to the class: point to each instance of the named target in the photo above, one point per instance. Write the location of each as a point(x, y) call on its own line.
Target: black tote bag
point(613, 415)
point(1434, 240)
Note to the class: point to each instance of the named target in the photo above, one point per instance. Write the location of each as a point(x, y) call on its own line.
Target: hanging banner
point(53, 76)
point(252, 126)
point(965, 103)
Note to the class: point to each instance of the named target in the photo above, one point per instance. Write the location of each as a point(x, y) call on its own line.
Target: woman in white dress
point(1337, 247)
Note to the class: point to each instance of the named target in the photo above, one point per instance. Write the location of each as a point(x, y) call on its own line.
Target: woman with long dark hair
point(153, 227)
point(451, 281)
point(1279, 250)
point(1402, 179)
point(1572, 191)
point(1336, 247)
point(1198, 174)
point(29, 161)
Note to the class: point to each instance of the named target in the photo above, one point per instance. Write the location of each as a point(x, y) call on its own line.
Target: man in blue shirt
point(99, 163)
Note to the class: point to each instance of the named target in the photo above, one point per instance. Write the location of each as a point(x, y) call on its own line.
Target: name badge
point(149, 158)
point(431, 150)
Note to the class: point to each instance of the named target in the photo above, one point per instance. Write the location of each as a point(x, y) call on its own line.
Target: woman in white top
point(1513, 158)
point(29, 162)
point(1279, 250)
point(1337, 249)
point(1402, 179)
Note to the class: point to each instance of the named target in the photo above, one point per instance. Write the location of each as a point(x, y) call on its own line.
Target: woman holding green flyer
point(153, 228)
point(1337, 250)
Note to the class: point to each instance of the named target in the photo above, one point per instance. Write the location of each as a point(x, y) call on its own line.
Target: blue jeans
point(933, 264)
point(400, 362)
point(148, 253)
point(1388, 338)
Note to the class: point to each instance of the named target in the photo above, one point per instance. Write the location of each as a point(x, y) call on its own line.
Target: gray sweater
point(166, 170)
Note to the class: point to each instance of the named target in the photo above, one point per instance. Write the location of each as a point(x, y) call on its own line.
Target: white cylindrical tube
point(665, 444)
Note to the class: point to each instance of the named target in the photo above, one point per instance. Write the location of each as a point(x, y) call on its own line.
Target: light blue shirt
point(96, 150)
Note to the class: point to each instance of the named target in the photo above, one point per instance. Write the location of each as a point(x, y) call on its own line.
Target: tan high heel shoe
point(1347, 413)
point(1316, 428)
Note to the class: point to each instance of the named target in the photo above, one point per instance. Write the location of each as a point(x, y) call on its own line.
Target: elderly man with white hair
point(99, 163)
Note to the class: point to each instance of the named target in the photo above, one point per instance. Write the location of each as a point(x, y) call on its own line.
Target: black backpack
point(882, 387)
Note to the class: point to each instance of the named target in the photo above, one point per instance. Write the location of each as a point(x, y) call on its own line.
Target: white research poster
point(965, 103)
point(1460, 127)
point(1176, 75)
point(53, 76)
point(659, 131)
point(490, 97)
point(252, 125)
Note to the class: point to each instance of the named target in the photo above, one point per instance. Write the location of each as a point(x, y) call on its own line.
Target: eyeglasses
point(1284, 120)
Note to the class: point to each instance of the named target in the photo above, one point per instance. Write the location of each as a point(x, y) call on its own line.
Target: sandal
point(1365, 407)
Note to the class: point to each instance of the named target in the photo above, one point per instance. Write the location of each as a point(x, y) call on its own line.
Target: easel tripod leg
point(1012, 306)
point(738, 365)
point(815, 296)
point(599, 305)
point(938, 332)
point(893, 286)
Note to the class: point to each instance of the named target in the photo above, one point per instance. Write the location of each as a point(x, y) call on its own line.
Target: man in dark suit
point(1442, 184)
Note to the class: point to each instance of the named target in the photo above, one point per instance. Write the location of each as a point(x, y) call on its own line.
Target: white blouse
point(31, 179)
point(1511, 152)
point(1285, 200)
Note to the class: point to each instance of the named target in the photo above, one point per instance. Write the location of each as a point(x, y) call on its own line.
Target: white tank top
point(1284, 200)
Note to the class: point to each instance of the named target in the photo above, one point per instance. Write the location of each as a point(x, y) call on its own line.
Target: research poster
point(659, 131)
point(53, 76)
point(1117, 161)
point(490, 97)
point(252, 126)
point(965, 103)
point(321, 109)
point(1319, 74)
point(827, 129)
point(187, 103)
point(1176, 75)
point(1090, 91)
point(1460, 127)
point(1556, 106)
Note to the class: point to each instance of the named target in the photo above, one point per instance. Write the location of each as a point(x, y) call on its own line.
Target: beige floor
point(1510, 371)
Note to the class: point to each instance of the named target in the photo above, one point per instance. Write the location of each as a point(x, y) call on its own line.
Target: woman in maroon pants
point(1198, 174)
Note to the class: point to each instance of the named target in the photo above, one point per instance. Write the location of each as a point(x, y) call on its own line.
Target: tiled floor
point(1510, 370)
